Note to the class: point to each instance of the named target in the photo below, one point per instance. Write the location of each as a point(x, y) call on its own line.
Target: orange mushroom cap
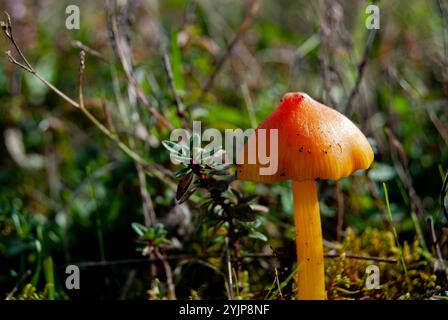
point(314, 142)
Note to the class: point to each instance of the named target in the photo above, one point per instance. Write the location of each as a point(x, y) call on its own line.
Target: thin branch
point(152, 169)
point(168, 273)
point(324, 63)
point(439, 125)
point(277, 281)
point(401, 165)
point(14, 61)
point(340, 210)
point(229, 269)
point(435, 244)
point(249, 105)
point(130, 77)
point(253, 9)
point(444, 14)
point(169, 72)
point(148, 208)
point(134, 95)
point(82, 66)
point(361, 69)
point(378, 202)
point(443, 194)
point(95, 121)
point(367, 258)
point(7, 29)
point(88, 264)
point(16, 287)
point(78, 44)
point(108, 117)
point(31, 70)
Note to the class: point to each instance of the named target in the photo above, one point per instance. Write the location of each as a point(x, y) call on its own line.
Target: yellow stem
point(309, 246)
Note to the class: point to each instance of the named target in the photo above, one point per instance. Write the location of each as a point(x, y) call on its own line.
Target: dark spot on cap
point(325, 151)
point(301, 149)
point(282, 174)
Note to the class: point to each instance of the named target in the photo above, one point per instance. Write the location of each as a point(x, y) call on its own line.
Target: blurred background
point(70, 194)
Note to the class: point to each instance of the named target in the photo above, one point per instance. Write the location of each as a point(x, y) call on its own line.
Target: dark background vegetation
point(70, 195)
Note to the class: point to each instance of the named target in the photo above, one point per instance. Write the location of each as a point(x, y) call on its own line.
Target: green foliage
point(29, 292)
point(225, 208)
point(155, 236)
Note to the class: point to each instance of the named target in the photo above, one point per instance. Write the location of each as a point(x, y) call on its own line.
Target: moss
point(346, 277)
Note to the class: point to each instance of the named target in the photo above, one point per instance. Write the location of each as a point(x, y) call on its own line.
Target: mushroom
point(315, 142)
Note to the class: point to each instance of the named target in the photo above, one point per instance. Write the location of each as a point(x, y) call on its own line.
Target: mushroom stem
point(309, 246)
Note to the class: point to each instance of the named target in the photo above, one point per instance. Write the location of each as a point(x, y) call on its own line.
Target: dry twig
point(443, 194)
point(26, 65)
point(127, 68)
point(78, 44)
point(435, 244)
point(253, 9)
point(168, 273)
point(255, 256)
point(361, 69)
point(169, 72)
point(402, 168)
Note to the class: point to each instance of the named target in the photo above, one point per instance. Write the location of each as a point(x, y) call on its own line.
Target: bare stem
point(87, 264)
point(361, 69)
point(131, 79)
point(78, 44)
point(95, 121)
point(435, 244)
point(229, 269)
point(7, 30)
point(148, 208)
point(443, 194)
point(168, 272)
point(169, 72)
point(253, 9)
